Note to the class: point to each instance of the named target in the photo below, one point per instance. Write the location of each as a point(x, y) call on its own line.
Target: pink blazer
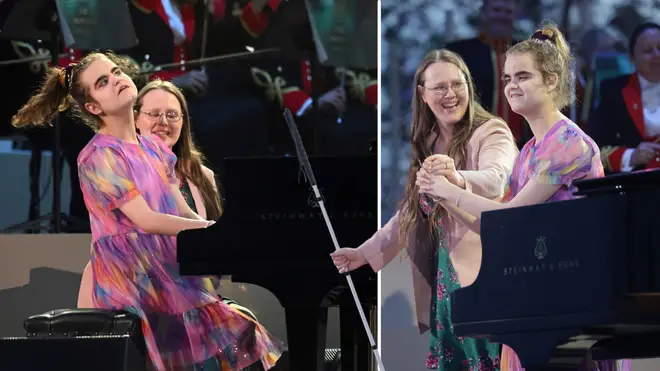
point(491, 153)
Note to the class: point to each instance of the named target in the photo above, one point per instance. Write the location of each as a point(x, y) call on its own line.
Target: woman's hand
point(423, 177)
point(347, 259)
point(437, 187)
point(444, 165)
point(423, 181)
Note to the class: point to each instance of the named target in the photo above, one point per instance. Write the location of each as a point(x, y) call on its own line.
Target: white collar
point(174, 20)
point(645, 84)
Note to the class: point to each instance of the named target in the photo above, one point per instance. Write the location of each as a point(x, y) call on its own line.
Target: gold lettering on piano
point(558, 266)
point(351, 215)
point(542, 265)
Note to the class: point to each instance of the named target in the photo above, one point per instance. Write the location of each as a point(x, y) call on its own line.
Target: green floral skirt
point(448, 352)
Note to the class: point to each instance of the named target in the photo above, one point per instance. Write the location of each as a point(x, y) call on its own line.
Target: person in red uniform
point(169, 31)
point(219, 103)
point(348, 111)
point(626, 123)
point(484, 55)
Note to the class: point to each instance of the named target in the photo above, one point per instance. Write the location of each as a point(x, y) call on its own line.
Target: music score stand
point(48, 21)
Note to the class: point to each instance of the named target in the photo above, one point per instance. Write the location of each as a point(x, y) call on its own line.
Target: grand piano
point(272, 234)
point(582, 280)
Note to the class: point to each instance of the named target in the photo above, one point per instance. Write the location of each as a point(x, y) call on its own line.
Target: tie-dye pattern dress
point(565, 154)
point(185, 326)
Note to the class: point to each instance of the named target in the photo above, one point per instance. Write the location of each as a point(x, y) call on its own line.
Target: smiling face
point(160, 114)
point(525, 89)
point(444, 89)
point(110, 89)
point(646, 54)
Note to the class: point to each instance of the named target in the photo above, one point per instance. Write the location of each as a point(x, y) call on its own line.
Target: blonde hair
point(552, 56)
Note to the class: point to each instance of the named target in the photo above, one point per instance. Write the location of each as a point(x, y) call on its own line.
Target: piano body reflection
point(272, 234)
point(583, 278)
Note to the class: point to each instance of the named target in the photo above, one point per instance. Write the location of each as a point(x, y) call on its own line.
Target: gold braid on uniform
point(605, 153)
point(274, 88)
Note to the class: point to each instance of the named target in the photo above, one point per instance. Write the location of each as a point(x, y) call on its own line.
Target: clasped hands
point(437, 176)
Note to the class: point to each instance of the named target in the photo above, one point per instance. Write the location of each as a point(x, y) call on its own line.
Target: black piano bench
point(77, 339)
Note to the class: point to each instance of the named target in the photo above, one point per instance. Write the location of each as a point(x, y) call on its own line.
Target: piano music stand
point(49, 20)
point(309, 176)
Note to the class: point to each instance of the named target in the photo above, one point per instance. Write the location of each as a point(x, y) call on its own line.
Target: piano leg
point(306, 330)
point(355, 348)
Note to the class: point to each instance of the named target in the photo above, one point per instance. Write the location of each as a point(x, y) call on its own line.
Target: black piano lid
point(636, 180)
point(539, 258)
point(272, 235)
point(271, 214)
point(557, 270)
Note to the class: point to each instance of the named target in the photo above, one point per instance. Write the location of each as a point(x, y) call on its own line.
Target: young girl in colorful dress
point(537, 74)
point(162, 110)
point(132, 193)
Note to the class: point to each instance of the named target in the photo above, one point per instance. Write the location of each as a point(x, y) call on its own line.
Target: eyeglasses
point(171, 116)
point(442, 90)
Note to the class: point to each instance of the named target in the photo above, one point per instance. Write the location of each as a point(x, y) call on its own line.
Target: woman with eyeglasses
point(452, 136)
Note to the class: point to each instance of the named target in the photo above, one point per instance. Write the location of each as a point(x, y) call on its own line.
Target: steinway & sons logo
point(541, 265)
point(354, 214)
point(315, 212)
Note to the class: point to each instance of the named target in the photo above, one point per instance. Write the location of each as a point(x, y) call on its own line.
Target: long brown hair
point(423, 123)
point(61, 89)
point(189, 158)
point(552, 56)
